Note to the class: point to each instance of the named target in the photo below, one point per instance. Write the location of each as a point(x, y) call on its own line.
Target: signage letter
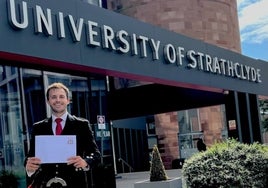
point(155, 48)
point(41, 18)
point(60, 25)
point(91, 33)
point(124, 48)
point(208, 63)
point(75, 30)
point(191, 57)
point(107, 37)
point(170, 53)
point(180, 55)
point(237, 71)
point(134, 49)
point(259, 76)
point(143, 45)
point(12, 15)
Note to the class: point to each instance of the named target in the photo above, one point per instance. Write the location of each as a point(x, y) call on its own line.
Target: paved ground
point(127, 180)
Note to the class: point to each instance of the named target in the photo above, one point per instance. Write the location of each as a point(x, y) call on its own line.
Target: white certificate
point(55, 149)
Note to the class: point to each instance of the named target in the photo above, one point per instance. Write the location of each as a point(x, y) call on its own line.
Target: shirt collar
point(63, 117)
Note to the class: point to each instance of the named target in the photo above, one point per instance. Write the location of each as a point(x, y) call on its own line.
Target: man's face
point(58, 101)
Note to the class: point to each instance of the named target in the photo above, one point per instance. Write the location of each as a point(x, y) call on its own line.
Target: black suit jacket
point(86, 148)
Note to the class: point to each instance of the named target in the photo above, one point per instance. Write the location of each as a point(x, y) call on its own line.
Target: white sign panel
point(101, 122)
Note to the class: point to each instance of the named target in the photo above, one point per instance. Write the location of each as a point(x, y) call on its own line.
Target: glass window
point(189, 132)
point(11, 131)
point(33, 94)
point(98, 100)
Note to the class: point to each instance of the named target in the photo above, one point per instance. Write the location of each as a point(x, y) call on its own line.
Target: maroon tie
point(58, 126)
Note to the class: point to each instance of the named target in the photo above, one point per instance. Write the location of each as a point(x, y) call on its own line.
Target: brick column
point(167, 134)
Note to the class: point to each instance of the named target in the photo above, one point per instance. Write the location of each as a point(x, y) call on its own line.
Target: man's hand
point(77, 162)
point(33, 163)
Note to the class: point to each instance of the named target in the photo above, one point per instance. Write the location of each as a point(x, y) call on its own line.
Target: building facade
point(138, 71)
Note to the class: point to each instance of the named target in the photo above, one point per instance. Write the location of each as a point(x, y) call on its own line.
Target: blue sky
point(253, 23)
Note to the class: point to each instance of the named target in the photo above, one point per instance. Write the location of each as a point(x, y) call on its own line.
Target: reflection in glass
point(11, 132)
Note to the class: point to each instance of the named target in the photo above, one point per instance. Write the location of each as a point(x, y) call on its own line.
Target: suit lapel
point(68, 128)
point(47, 129)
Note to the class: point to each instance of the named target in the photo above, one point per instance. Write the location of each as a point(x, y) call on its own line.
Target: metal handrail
point(123, 162)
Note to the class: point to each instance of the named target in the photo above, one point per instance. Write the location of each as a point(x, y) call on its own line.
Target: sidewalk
point(127, 180)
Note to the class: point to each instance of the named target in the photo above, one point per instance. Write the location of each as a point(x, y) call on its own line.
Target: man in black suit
point(73, 173)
